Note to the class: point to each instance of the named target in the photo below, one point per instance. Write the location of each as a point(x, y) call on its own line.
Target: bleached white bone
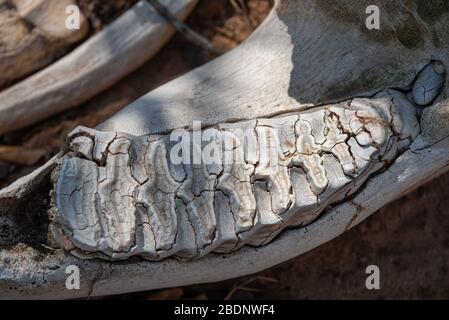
point(306, 54)
point(95, 65)
point(115, 195)
point(33, 34)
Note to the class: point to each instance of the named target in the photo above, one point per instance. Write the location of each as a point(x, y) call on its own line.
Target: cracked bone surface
point(306, 53)
point(118, 195)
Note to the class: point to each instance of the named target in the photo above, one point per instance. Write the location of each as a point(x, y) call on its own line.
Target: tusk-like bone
point(308, 53)
point(94, 66)
point(33, 34)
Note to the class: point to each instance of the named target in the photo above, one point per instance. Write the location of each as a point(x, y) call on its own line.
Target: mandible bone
point(117, 195)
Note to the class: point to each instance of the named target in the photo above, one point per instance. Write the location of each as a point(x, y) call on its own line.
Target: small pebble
point(429, 83)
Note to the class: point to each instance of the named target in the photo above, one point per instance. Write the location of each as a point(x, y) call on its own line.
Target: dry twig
point(244, 286)
point(241, 8)
point(183, 29)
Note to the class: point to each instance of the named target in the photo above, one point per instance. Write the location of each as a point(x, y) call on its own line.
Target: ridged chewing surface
point(116, 195)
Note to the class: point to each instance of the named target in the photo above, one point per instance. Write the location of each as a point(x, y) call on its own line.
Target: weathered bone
point(126, 44)
point(115, 194)
point(32, 35)
point(306, 54)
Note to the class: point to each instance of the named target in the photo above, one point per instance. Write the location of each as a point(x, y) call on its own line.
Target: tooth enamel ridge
point(117, 196)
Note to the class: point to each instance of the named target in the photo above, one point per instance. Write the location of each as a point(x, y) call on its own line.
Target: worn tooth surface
point(240, 153)
point(226, 224)
point(285, 128)
point(117, 196)
point(235, 182)
point(76, 192)
point(157, 196)
point(266, 222)
point(304, 198)
point(272, 168)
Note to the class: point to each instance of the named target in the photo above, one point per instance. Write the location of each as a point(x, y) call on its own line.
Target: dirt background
point(407, 239)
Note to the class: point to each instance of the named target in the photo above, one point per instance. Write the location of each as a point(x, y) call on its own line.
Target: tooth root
point(117, 195)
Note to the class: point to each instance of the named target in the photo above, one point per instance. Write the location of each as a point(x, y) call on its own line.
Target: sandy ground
point(407, 239)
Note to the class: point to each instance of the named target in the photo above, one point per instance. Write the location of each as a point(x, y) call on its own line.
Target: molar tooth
point(266, 221)
point(157, 195)
point(335, 174)
point(306, 201)
point(306, 141)
point(285, 130)
point(235, 182)
point(187, 238)
point(273, 169)
point(402, 115)
point(80, 180)
point(117, 195)
point(316, 173)
point(362, 154)
point(316, 122)
point(82, 145)
point(341, 151)
point(226, 225)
